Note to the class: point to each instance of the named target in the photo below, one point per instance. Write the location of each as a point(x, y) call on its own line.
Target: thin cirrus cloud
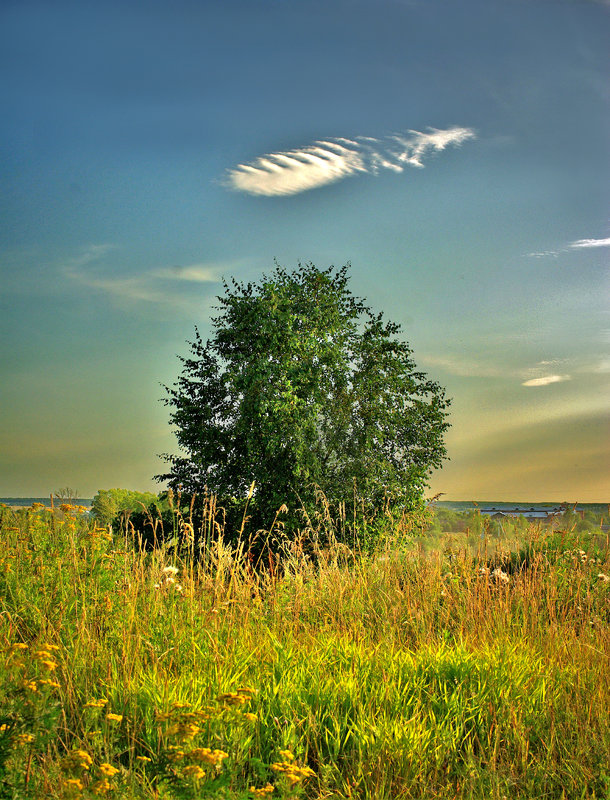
point(546, 380)
point(329, 160)
point(583, 243)
point(579, 244)
point(90, 268)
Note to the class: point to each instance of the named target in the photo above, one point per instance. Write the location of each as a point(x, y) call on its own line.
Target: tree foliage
point(107, 503)
point(303, 388)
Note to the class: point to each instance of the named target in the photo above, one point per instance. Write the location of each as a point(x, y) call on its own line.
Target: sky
point(455, 154)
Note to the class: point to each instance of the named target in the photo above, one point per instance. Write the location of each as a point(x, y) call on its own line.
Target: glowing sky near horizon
point(456, 154)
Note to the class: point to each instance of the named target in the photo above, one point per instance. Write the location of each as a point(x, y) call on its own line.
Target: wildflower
point(32, 686)
point(603, 578)
point(100, 703)
point(3, 728)
point(175, 753)
point(500, 576)
point(183, 730)
point(107, 769)
point(170, 570)
point(23, 738)
point(143, 759)
point(291, 771)
point(101, 787)
point(212, 757)
point(232, 699)
point(250, 717)
point(260, 794)
point(19, 646)
point(114, 717)
point(46, 682)
point(50, 665)
point(73, 783)
point(78, 758)
point(193, 771)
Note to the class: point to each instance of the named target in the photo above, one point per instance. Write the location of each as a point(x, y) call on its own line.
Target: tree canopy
point(302, 388)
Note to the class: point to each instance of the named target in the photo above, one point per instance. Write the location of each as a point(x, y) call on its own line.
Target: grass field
point(413, 671)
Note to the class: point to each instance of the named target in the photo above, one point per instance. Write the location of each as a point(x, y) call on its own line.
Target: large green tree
point(303, 388)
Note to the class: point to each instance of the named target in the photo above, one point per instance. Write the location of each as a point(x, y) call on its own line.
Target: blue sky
point(456, 154)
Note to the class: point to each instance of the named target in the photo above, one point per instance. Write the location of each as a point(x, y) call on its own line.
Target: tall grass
point(400, 673)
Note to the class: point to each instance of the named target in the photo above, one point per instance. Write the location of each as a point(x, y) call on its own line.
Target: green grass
point(411, 672)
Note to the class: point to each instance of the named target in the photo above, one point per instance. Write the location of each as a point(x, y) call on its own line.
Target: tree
point(303, 388)
point(107, 503)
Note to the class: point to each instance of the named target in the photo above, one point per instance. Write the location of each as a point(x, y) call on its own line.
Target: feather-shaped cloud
point(330, 160)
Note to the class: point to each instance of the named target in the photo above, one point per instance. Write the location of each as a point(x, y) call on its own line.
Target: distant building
point(532, 512)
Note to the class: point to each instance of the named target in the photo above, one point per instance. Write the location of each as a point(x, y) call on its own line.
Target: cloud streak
point(584, 243)
point(579, 244)
point(329, 160)
point(173, 286)
point(546, 380)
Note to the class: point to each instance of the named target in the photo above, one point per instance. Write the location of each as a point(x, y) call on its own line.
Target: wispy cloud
point(330, 160)
point(92, 268)
point(546, 380)
point(579, 244)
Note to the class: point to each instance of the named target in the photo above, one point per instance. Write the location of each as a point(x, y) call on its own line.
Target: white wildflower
point(603, 578)
point(500, 575)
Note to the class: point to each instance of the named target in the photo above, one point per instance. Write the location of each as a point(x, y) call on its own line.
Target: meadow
point(439, 664)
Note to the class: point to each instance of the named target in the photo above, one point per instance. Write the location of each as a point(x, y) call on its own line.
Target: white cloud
point(330, 160)
point(164, 286)
point(196, 273)
point(546, 380)
point(580, 243)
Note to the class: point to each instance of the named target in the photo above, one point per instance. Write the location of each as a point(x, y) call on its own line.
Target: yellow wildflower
point(183, 730)
point(232, 699)
point(19, 646)
point(143, 759)
point(101, 787)
point(291, 771)
point(73, 783)
point(114, 717)
point(78, 758)
point(212, 757)
point(175, 754)
point(31, 685)
point(250, 717)
point(286, 755)
point(194, 772)
point(108, 769)
point(96, 703)
point(49, 683)
point(50, 665)
point(23, 738)
point(265, 791)
point(3, 728)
